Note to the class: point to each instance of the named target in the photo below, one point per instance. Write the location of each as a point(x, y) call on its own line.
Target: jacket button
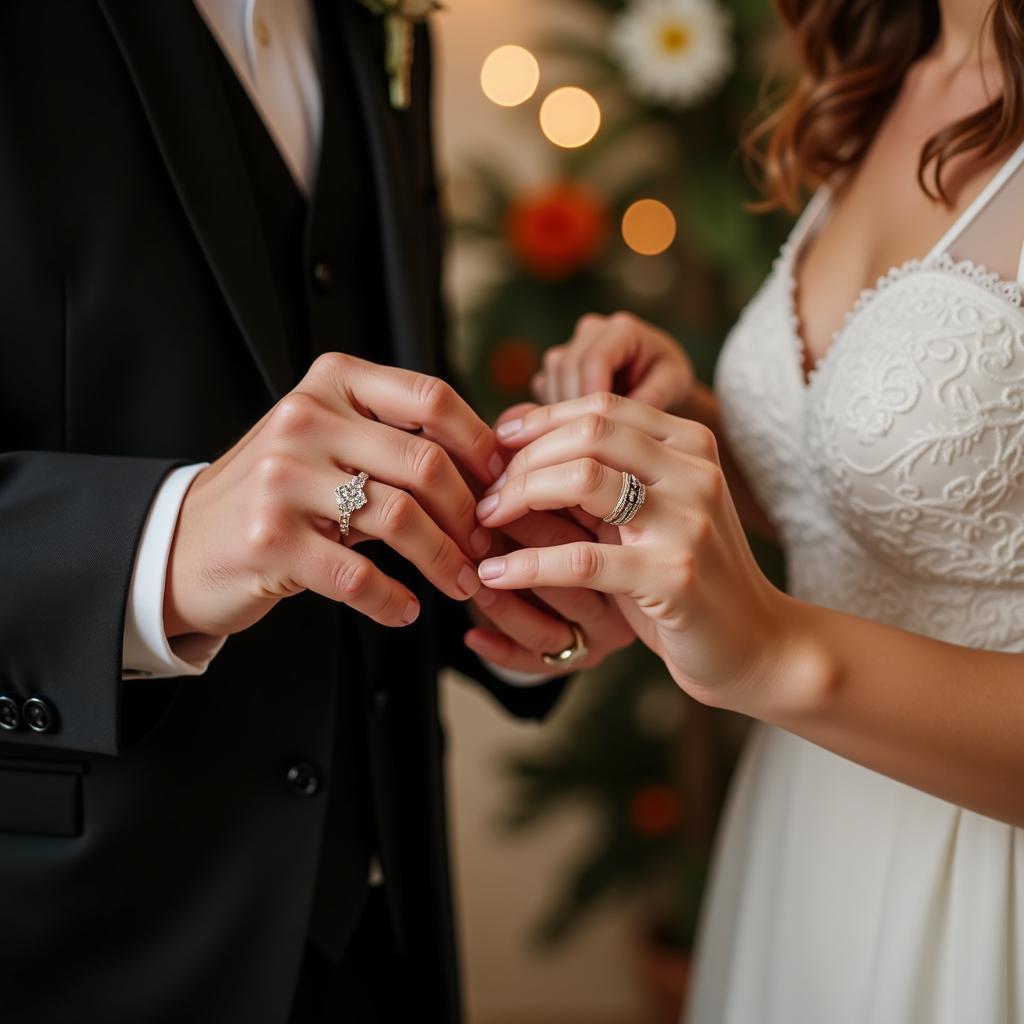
point(38, 714)
point(322, 275)
point(303, 778)
point(10, 714)
point(381, 699)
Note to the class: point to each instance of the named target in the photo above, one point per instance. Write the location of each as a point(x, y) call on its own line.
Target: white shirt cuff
point(146, 652)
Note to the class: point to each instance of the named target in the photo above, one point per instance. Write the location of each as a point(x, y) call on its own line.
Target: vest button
point(322, 276)
point(10, 714)
point(38, 714)
point(303, 778)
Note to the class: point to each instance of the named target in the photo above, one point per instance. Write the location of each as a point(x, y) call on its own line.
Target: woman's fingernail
point(498, 484)
point(468, 582)
point(485, 598)
point(487, 506)
point(509, 429)
point(480, 541)
point(412, 611)
point(492, 568)
point(496, 465)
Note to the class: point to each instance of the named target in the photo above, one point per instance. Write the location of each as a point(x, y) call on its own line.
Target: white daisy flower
point(674, 52)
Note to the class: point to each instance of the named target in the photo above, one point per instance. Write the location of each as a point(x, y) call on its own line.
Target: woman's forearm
point(702, 406)
point(945, 719)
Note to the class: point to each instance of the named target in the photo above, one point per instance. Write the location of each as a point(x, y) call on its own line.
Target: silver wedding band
point(567, 655)
point(351, 497)
point(631, 500)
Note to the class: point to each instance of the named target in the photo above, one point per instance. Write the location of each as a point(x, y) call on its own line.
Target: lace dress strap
point(990, 232)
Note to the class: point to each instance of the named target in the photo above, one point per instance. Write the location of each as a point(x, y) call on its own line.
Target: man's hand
point(261, 523)
point(517, 630)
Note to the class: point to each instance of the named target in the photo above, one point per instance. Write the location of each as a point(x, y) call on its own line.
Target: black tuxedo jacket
point(159, 840)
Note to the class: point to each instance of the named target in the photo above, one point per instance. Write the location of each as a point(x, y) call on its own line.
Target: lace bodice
point(895, 473)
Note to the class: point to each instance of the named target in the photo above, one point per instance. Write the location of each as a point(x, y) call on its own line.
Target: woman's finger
point(609, 568)
point(584, 482)
point(395, 517)
point(549, 392)
point(617, 445)
point(684, 435)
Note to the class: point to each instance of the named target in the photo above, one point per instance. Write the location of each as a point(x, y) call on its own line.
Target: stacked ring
point(631, 500)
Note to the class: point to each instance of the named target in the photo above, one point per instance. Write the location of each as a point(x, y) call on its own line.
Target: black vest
point(328, 271)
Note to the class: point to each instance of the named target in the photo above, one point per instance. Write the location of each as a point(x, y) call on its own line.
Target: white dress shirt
point(272, 46)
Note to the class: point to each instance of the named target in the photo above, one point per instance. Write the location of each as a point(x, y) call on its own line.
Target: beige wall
point(503, 882)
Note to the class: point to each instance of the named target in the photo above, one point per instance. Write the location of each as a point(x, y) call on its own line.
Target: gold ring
point(567, 655)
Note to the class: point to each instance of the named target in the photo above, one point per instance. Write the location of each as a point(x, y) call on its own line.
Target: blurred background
point(590, 150)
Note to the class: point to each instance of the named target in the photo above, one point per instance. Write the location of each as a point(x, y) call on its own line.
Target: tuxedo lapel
point(171, 64)
point(396, 198)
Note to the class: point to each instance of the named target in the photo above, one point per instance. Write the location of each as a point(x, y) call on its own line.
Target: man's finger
point(421, 467)
point(343, 575)
point(531, 627)
point(395, 517)
point(493, 646)
point(410, 401)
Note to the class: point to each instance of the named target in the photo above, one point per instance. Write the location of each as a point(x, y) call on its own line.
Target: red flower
point(655, 810)
point(513, 362)
point(557, 232)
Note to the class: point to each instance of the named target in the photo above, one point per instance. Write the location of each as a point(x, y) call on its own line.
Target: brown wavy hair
point(853, 55)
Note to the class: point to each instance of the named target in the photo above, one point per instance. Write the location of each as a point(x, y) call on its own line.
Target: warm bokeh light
point(509, 76)
point(649, 227)
point(570, 117)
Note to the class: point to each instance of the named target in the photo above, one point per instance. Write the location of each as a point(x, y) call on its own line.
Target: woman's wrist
point(795, 673)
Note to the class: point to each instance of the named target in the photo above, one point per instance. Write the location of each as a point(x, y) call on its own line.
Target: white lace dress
point(895, 476)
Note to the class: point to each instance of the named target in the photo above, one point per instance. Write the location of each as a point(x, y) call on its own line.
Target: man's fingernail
point(412, 611)
point(468, 582)
point(492, 568)
point(509, 429)
point(496, 465)
point(499, 483)
point(487, 506)
point(485, 598)
point(480, 541)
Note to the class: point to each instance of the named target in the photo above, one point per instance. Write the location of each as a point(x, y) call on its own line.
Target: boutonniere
point(399, 18)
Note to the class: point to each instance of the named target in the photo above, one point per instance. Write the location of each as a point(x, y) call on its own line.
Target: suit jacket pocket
point(41, 798)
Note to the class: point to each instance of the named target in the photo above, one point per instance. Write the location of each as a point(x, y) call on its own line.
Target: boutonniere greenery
point(400, 16)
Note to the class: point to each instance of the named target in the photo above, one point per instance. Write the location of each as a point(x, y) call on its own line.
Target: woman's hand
point(681, 571)
point(515, 630)
point(617, 353)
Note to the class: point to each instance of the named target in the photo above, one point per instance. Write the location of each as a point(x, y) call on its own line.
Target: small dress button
point(303, 778)
point(381, 701)
point(10, 713)
point(322, 275)
point(38, 714)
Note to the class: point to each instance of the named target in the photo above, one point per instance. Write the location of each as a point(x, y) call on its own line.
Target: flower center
point(675, 38)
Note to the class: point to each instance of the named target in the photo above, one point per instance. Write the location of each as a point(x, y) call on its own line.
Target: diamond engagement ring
point(631, 500)
point(351, 497)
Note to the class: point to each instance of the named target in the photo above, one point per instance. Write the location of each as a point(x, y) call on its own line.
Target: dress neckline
point(810, 221)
